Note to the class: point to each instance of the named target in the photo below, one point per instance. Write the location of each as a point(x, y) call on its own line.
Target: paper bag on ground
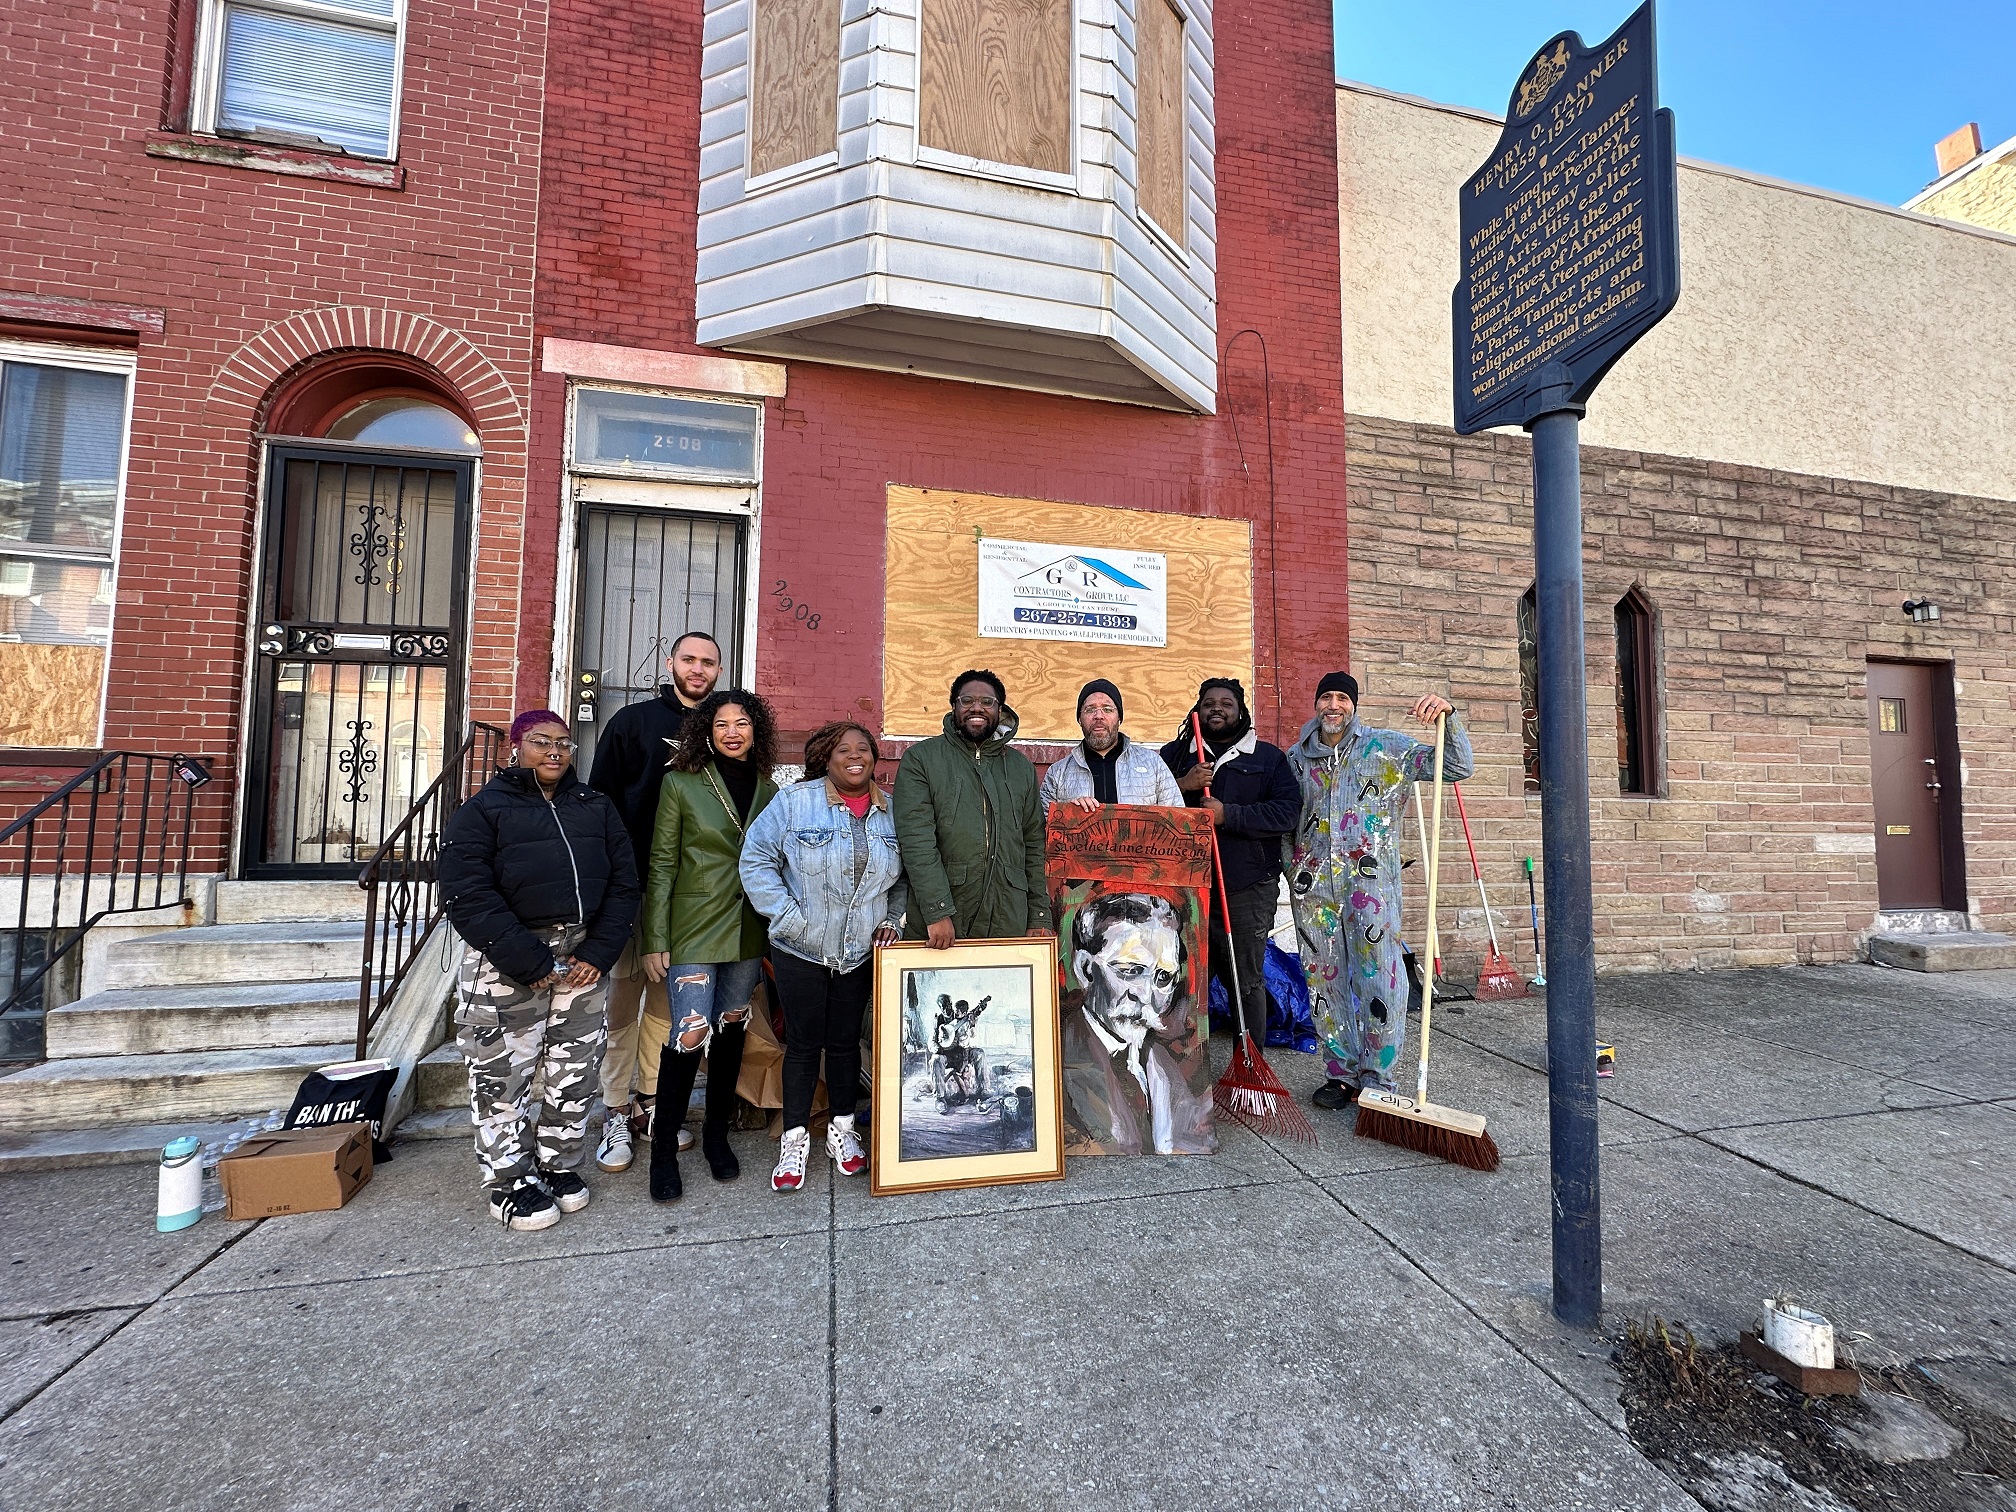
point(296, 1171)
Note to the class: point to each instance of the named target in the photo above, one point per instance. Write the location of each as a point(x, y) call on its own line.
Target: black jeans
point(1252, 918)
point(822, 1015)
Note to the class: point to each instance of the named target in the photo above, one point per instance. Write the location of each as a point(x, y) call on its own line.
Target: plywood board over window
point(931, 612)
point(52, 694)
point(1158, 126)
point(794, 83)
point(995, 81)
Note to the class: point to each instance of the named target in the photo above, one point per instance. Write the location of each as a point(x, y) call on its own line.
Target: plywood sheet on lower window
point(931, 612)
point(52, 694)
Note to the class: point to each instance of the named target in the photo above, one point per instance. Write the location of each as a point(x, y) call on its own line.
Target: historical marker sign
point(1570, 228)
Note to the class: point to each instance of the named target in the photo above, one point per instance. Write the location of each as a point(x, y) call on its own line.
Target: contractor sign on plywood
point(1037, 590)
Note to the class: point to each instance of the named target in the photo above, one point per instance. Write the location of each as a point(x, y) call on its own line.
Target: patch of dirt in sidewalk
point(1740, 1440)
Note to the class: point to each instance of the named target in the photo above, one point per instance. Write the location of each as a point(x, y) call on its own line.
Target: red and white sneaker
point(791, 1152)
point(843, 1146)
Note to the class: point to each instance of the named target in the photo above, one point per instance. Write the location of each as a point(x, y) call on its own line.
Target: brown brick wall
point(1771, 590)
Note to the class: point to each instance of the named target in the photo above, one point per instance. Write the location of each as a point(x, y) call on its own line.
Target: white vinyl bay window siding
point(306, 73)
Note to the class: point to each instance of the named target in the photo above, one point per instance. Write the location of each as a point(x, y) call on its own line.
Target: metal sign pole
point(1571, 252)
point(1564, 843)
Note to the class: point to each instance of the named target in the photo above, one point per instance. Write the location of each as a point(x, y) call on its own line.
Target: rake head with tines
point(1250, 1092)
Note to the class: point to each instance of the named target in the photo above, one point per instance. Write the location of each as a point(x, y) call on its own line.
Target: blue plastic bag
point(1221, 1008)
point(1288, 1021)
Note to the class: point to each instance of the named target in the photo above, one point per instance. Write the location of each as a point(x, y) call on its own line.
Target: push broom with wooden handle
point(1415, 1123)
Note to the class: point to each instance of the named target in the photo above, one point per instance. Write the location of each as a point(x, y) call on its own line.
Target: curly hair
point(695, 747)
point(822, 742)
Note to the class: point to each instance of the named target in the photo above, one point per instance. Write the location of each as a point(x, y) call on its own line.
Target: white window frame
point(94, 360)
point(591, 482)
point(207, 82)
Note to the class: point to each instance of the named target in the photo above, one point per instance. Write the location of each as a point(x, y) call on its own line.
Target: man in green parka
point(970, 823)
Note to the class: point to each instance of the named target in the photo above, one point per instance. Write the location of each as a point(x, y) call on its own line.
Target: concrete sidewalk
point(1349, 1325)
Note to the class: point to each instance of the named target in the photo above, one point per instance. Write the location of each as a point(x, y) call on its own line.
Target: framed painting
point(1129, 886)
point(968, 1089)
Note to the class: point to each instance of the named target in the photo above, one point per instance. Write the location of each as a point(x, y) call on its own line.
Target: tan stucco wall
point(1814, 334)
point(1985, 196)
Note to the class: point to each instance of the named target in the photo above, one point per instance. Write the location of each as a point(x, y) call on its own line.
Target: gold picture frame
point(968, 1075)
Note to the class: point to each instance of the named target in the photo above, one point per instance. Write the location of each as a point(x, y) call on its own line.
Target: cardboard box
point(296, 1171)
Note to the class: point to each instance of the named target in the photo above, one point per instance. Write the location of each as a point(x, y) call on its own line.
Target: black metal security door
point(648, 576)
point(360, 649)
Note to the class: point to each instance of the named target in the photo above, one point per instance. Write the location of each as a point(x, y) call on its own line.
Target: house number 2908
point(798, 609)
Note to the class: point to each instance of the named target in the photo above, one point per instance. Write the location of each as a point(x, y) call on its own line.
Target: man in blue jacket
point(1254, 803)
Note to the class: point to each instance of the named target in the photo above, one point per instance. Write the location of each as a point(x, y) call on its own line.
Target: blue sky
point(1846, 94)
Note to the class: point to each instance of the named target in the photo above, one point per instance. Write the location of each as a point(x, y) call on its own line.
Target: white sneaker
point(843, 1146)
point(649, 1118)
point(791, 1152)
point(615, 1152)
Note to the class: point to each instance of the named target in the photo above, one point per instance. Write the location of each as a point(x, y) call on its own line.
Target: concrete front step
point(102, 1144)
point(202, 1086)
point(441, 1080)
point(218, 1016)
point(312, 950)
point(260, 902)
point(1972, 950)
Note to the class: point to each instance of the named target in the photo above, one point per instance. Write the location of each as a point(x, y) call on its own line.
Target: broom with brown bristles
point(1415, 1123)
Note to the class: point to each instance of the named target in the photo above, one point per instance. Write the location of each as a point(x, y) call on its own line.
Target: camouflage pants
point(533, 1063)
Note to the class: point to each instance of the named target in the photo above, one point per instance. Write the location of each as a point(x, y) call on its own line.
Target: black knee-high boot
point(675, 1091)
point(724, 1067)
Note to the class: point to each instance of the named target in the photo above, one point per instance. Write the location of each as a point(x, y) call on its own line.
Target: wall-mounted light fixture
point(1922, 611)
point(193, 770)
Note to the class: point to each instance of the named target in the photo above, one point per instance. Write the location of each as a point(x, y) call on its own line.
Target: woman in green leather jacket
point(700, 934)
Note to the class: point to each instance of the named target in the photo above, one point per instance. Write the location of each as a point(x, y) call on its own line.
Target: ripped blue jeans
point(705, 996)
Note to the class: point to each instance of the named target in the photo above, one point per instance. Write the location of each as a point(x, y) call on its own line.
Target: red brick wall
point(1771, 591)
point(616, 265)
point(441, 269)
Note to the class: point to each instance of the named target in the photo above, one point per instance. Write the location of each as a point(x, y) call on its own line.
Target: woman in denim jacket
point(822, 866)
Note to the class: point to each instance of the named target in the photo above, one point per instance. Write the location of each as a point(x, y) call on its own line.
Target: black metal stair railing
point(402, 900)
point(112, 839)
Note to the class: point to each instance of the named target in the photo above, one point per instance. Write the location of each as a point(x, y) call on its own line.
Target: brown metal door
point(1904, 774)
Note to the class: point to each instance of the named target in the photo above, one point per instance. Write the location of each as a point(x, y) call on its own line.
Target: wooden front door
point(1907, 775)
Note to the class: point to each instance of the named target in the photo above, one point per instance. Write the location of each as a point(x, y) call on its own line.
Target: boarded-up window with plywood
point(62, 444)
point(1158, 126)
point(995, 81)
point(931, 613)
point(794, 83)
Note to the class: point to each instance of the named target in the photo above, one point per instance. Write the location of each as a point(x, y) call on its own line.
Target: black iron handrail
point(402, 902)
point(128, 813)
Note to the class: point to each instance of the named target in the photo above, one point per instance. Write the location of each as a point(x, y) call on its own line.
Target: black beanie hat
point(977, 674)
point(1338, 682)
point(1100, 685)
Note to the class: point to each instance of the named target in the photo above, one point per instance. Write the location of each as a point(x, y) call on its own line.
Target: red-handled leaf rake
point(1497, 978)
point(1249, 1090)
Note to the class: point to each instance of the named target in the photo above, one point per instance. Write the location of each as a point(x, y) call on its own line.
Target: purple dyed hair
point(531, 719)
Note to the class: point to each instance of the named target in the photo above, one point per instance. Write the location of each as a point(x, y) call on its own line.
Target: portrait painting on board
point(966, 1075)
point(1129, 886)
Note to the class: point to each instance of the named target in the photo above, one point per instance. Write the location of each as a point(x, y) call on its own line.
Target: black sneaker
point(523, 1206)
point(568, 1191)
point(1334, 1095)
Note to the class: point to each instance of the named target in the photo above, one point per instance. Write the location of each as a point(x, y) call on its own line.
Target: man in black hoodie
point(1254, 802)
point(630, 769)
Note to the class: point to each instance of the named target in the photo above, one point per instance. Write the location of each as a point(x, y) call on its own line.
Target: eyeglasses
point(540, 743)
point(985, 701)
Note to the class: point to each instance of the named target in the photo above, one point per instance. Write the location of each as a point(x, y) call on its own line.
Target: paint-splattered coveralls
point(1344, 879)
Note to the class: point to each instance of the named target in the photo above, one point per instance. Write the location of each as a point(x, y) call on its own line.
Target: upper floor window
point(306, 73)
point(1160, 134)
point(994, 84)
point(794, 85)
point(62, 466)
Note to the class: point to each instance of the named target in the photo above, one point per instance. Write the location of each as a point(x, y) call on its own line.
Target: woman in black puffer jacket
point(540, 880)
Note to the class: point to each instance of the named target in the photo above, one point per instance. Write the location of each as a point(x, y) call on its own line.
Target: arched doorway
point(359, 643)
